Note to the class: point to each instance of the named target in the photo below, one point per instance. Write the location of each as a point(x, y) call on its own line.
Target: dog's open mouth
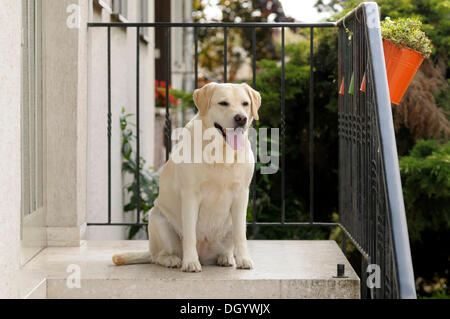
point(221, 130)
point(234, 137)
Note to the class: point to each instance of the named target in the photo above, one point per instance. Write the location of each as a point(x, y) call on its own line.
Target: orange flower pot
point(402, 64)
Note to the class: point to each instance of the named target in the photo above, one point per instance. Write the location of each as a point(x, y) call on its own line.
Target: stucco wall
point(10, 161)
point(123, 47)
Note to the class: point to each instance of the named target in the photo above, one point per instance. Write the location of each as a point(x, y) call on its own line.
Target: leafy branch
point(148, 178)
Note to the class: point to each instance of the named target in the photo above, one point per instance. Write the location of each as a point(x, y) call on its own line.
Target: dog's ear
point(255, 97)
point(202, 97)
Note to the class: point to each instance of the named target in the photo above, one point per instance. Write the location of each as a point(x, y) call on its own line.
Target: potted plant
point(405, 46)
point(160, 95)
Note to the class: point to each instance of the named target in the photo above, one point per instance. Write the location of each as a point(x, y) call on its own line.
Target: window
point(144, 18)
point(120, 8)
point(32, 109)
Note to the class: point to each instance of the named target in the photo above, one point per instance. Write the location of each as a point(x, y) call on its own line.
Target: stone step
point(283, 269)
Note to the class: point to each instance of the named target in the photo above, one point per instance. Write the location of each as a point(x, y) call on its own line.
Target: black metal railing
point(167, 26)
point(371, 207)
point(370, 195)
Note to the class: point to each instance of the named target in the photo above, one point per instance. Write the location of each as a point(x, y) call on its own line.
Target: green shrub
point(426, 188)
point(148, 178)
point(406, 32)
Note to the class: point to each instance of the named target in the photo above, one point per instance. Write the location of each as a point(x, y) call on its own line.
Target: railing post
point(254, 125)
point(168, 123)
point(344, 243)
point(225, 54)
point(196, 57)
point(138, 133)
point(400, 238)
point(283, 130)
point(311, 127)
point(109, 123)
point(363, 278)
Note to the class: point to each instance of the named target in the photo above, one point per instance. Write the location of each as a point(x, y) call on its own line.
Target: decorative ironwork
point(365, 205)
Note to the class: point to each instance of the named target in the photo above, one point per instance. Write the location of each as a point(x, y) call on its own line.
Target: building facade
point(53, 128)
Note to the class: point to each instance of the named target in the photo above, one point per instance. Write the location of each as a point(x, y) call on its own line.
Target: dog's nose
point(240, 119)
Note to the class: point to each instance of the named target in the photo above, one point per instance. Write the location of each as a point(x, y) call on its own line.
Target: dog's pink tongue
point(235, 138)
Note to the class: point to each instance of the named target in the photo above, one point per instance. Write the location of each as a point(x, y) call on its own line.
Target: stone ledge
point(65, 236)
point(283, 269)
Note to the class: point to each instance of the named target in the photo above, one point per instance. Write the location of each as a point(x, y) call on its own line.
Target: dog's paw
point(191, 266)
point(244, 263)
point(169, 261)
point(225, 260)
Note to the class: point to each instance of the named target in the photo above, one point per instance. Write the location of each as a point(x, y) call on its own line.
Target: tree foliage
point(239, 40)
point(426, 187)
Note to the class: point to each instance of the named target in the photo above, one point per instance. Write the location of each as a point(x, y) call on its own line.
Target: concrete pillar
point(65, 96)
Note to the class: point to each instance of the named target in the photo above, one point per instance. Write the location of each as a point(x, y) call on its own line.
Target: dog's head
point(230, 108)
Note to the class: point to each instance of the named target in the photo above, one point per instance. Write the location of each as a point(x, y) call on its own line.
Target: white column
point(65, 98)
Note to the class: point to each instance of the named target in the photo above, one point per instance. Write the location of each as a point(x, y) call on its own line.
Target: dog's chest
point(214, 218)
point(219, 189)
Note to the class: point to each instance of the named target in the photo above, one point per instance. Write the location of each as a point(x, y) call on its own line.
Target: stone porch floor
point(283, 269)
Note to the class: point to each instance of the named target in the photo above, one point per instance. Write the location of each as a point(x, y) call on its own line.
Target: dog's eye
point(245, 103)
point(224, 103)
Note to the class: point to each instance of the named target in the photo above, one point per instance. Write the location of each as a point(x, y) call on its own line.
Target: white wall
point(123, 48)
point(10, 156)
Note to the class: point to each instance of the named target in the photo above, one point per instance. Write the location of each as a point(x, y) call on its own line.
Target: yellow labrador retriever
point(200, 214)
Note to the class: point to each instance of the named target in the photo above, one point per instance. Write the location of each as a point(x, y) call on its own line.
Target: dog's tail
point(132, 258)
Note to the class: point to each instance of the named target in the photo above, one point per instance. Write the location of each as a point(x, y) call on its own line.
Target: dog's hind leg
point(165, 244)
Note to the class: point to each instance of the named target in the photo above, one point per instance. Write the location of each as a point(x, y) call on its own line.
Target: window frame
point(120, 10)
point(144, 18)
point(32, 110)
point(33, 148)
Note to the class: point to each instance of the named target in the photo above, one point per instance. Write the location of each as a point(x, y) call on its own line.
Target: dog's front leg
point(239, 220)
point(189, 214)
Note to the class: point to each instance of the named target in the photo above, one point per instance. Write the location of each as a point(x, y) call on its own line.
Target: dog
point(199, 217)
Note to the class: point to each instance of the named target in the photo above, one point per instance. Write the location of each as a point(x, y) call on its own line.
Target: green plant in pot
point(405, 46)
